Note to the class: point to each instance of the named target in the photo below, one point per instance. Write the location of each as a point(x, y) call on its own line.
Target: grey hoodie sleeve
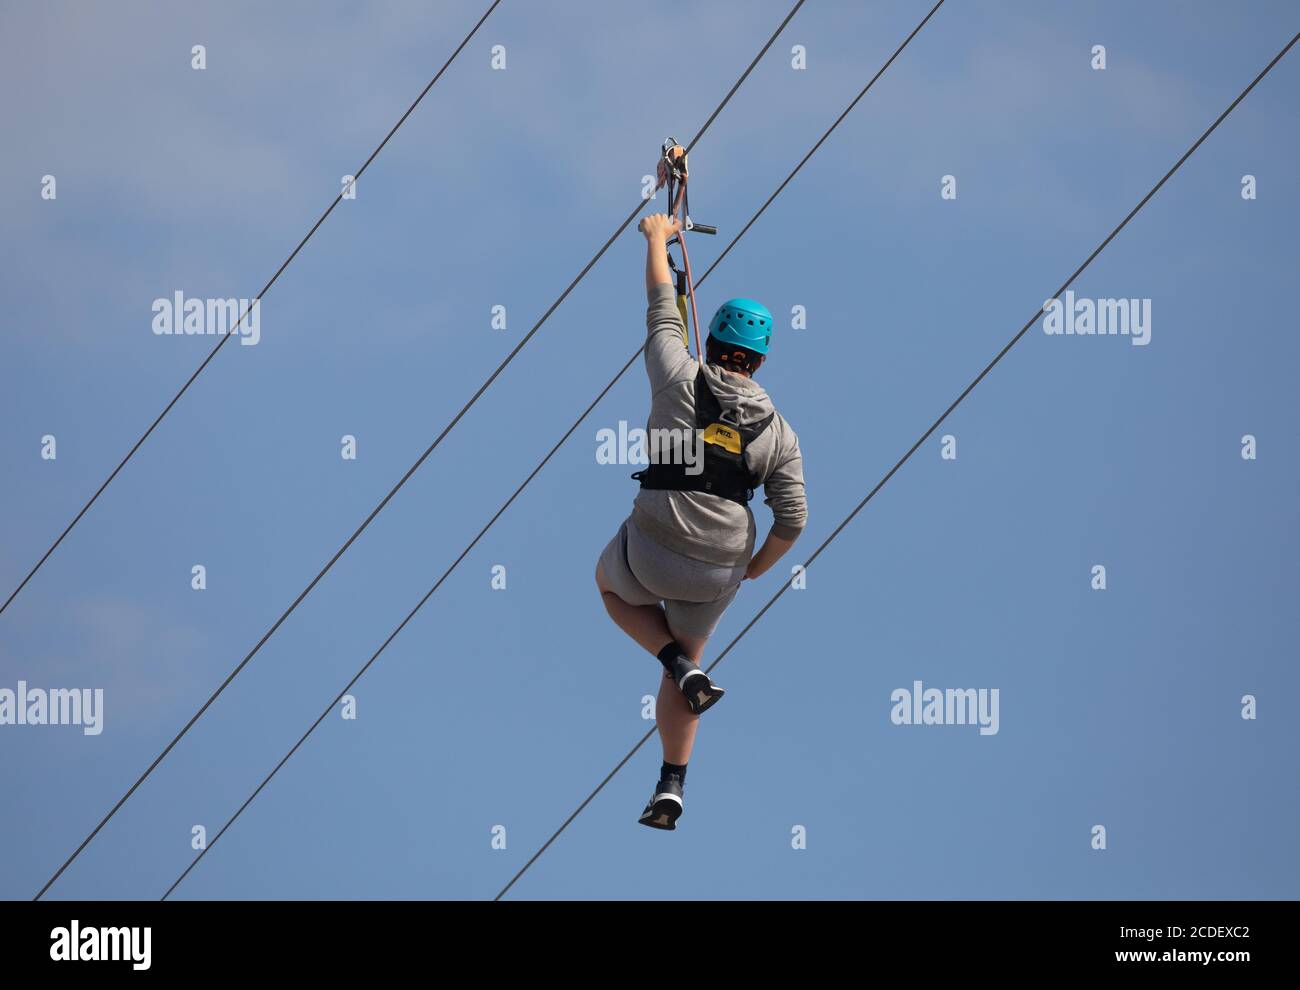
point(666, 358)
point(784, 490)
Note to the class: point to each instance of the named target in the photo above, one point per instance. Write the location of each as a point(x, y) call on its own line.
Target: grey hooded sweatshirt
point(695, 524)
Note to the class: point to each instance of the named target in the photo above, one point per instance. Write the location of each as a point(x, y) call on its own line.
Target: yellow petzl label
point(723, 436)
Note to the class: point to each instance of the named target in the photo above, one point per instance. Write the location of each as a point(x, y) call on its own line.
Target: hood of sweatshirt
point(742, 399)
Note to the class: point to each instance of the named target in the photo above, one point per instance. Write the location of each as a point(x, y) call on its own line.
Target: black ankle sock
point(670, 653)
point(677, 770)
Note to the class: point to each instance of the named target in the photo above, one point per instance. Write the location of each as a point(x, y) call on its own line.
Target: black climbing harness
point(721, 471)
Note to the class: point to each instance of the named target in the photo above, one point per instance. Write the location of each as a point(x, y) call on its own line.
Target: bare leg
point(674, 718)
point(644, 623)
point(648, 625)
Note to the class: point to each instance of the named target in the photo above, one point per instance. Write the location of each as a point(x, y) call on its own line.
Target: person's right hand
point(659, 227)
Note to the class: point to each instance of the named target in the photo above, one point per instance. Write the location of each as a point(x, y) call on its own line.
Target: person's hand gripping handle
point(658, 228)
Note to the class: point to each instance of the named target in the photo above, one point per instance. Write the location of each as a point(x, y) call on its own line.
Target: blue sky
point(1118, 708)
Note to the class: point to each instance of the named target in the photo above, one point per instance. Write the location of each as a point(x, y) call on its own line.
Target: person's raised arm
point(658, 229)
point(667, 358)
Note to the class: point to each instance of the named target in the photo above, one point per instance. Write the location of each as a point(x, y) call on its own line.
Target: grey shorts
point(694, 593)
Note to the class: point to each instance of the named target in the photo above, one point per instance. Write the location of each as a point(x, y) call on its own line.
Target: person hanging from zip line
point(677, 561)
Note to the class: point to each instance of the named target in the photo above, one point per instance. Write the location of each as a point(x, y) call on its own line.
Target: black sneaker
point(700, 692)
point(665, 805)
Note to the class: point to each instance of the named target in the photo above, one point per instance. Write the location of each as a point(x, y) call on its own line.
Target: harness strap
point(673, 172)
point(723, 469)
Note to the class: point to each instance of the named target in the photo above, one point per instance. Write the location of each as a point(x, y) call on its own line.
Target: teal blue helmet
point(743, 323)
